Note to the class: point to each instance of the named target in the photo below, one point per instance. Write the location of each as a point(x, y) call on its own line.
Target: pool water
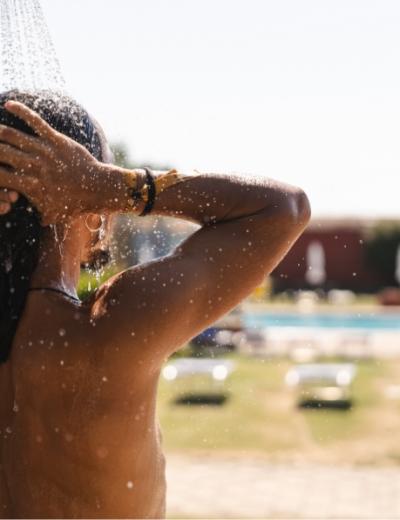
point(371, 321)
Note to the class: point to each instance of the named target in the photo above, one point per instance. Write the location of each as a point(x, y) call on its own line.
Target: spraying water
point(28, 60)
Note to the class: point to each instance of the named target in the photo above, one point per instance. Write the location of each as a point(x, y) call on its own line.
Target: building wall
point(345, 261)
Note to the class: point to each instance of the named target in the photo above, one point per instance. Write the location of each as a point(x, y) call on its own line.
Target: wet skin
point(79, 435)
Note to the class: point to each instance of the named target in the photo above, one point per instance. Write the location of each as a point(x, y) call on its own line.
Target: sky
point(303, 91)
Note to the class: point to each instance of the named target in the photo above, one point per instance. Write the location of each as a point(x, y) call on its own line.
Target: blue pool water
point(324, 321)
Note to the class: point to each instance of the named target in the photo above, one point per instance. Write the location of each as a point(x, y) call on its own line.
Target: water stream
point(28, 60)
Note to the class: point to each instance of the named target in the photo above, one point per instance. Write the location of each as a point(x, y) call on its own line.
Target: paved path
point(206, 487)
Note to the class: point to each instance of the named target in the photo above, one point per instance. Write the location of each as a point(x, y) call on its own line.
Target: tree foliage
point(123, 158)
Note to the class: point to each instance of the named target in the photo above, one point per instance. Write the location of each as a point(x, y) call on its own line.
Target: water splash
point(28, 60)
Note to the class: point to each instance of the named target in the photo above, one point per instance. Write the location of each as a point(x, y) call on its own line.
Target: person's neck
point(59, 261)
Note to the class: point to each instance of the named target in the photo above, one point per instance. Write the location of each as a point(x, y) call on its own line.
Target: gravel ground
point(220, 487)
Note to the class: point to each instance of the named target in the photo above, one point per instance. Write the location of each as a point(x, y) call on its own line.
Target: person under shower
point(79, 431)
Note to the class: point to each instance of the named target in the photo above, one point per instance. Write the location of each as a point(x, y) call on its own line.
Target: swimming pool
point(368, 321)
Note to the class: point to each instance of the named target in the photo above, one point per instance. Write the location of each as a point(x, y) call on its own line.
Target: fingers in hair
point(9, 196)
point(15, 158)
point(31, 118)
point(16, 181)
point(5, 207)
point(19, 139)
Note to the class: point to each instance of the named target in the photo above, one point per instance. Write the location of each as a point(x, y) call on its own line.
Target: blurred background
point(289, 406)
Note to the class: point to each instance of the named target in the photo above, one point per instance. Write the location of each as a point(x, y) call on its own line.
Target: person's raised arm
point(247, 225)
point(63, 179)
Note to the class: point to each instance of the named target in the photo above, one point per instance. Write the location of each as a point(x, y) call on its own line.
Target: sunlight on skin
point(102, 358)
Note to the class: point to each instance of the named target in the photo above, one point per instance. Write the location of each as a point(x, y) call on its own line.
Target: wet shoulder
point(53, 330)
point(64, 338)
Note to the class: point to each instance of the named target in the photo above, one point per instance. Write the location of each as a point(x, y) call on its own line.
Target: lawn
point(260, 416)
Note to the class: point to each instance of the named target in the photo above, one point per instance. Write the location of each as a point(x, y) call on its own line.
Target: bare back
point(79, 435)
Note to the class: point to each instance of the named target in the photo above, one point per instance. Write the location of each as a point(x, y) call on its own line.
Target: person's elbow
point(295, 208)
point(301, 208)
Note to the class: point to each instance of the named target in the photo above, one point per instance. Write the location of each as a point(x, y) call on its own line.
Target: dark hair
point(20, 230)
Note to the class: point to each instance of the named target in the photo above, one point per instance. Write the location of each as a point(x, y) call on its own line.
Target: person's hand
point(58, 175)
point(7, 199)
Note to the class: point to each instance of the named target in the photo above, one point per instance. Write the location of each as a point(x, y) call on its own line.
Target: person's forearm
point(205, 198)
point(79, 184)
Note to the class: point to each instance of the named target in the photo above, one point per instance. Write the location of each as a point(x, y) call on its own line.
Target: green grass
point(329, 426)
point(261, 415)
point(238, 424)
point(90, 281)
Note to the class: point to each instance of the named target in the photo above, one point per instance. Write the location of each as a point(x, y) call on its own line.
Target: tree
point(123, 158)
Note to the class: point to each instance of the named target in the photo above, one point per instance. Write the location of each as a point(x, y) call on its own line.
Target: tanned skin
point(80, 436)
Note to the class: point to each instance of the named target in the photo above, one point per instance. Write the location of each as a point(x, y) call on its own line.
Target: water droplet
point(102, 452)
point(28, 60)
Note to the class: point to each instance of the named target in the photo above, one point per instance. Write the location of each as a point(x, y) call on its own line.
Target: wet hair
point(20, 229)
